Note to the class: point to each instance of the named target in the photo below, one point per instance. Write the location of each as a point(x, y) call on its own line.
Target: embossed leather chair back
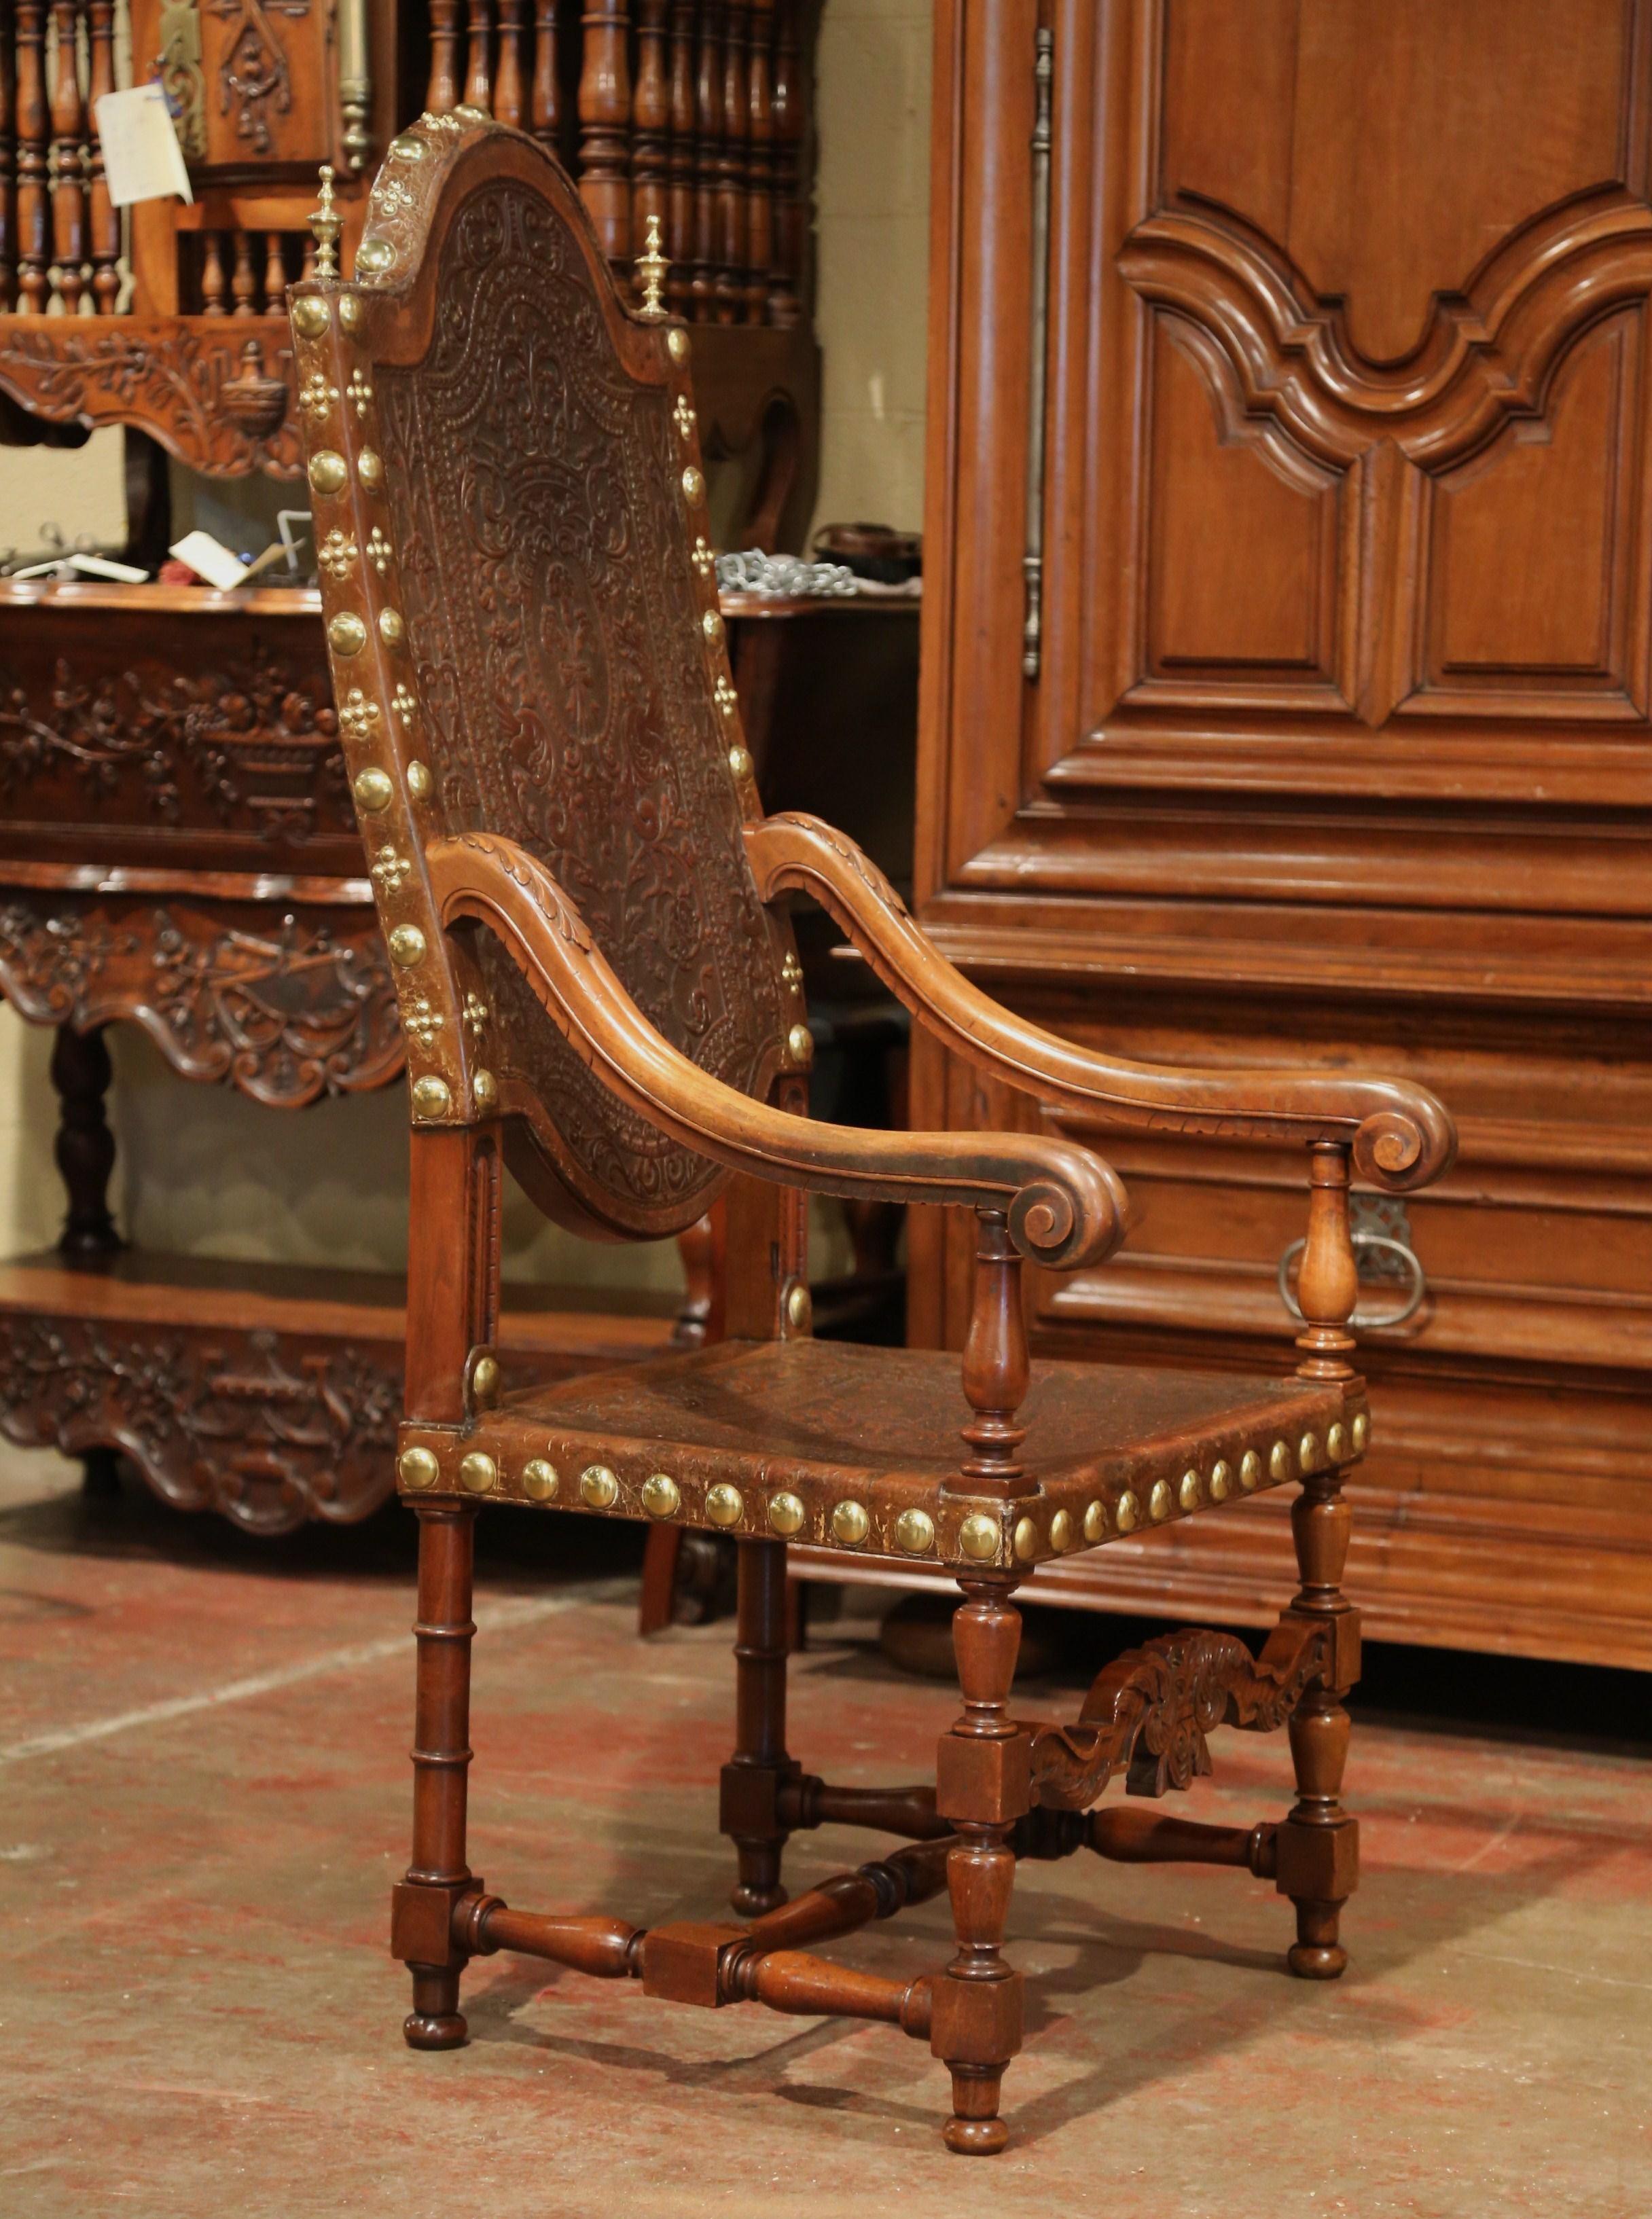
point(545, 528)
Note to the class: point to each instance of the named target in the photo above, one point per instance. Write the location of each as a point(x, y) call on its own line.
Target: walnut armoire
point(1287, 680)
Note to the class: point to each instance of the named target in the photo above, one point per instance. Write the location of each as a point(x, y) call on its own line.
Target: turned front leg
point(421, 1923)
point(754, 1779)
point(982, 1786)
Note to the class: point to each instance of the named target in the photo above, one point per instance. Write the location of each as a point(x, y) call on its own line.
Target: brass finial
point(326, 223)
point(651, 268)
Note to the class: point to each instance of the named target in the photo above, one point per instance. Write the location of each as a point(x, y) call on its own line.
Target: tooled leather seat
point(585, 909)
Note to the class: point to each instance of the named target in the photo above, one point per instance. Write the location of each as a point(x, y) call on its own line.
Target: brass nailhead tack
point(419, 1467)
point(479, 1473)
point(1026, 1539)
point(1221, 1479)
point(799, 1307)
point(723, 1506)
point(371, 468)
point(800, 1044)
point(373, 790)
point(660, 1498)
point(327, 471)
point(1061, 1532)
point(418, 781)
point(677, 343)
point(431, 1096)
point(373, 255)
point(311, 315)
point(914, 1530)
point(1161, 1501)
point(712, 624)
point(346, 634)
point(1336, 1443)
point(850, 1522)
point(599, 1487)
point(406, 946)
point(1279, 1461)
point(390, 627)
point(484, 1378)
point(1190, 1490)
point(1308, 1452)
point(350, 311)
point(1249, 1471)
point(786, 1513)
point(694, 486)
point(1362, 1428)
point(1094, 1520)
point(1128, 1513)
point(977, 1537)
point(540, 1479)
point(739, 763)
point(485, 1087)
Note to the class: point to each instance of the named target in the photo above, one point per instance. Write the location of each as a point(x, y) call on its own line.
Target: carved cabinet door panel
point(1344, 494)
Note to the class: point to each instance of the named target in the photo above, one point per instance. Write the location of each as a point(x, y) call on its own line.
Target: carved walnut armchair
point(585, 908)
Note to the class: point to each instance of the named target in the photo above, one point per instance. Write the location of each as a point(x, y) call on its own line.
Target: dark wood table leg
point(84, 1146)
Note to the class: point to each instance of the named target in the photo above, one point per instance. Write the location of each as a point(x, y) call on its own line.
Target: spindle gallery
point(825, 1337)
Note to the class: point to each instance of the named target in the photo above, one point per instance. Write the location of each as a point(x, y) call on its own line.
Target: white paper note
point(142, 159)
point(209, 560)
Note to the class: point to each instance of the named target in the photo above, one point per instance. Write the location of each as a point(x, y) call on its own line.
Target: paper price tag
point(209, 559)
point(142, 159)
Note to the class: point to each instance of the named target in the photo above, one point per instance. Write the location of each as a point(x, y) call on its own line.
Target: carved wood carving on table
point(269, 1429)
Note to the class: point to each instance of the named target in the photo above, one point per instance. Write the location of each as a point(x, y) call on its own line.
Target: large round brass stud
point(373, 255)
point(1128, 1513)
point(311, 315)
point(977, 1537)
point(407, 146)
point(1279, 1461)
point(419, 781)
point(350, 311)
point(327, 471)
point(800, 1044)
point(419, 1467)
point(373, 790)
point(712, 624)
point(915, 1531)
point(1361, 1429)
point(739, 763)
point(1095, 1521)
point(694, 486)
point(1308, 1452)
point(485, 1087)
point(1249, 1471)
point(677, 343)
point(484, 1379)
point(1336, 1443)
point(370, 468)
point(799, 1307)
point(660, 1498)
point(599, 1487)
point(1026, 1539)
point(723, 1506)
point(1189, 1491)
point(346, 634)
point(1221, 1479)
point(1061, 1532)
point(406, 946)
point(786, 1513)
point(390, 627)
point(1161, 1501)
point(540, 1480)
point(431, 1096)
point(850, 1523)
point(478, 1474)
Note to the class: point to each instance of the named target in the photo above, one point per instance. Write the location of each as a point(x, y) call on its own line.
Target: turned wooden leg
point(1317, 1845)
point(421, 1925)
point(982, 1787)
point(85, 1145)
point(754, 1777)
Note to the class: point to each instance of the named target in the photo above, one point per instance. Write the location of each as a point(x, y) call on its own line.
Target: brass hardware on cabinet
point(1033, 560)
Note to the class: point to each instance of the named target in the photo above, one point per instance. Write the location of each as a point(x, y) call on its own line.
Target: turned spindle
point(479, 57)
point(708, 150)
point(68, 137)
point(995, 1367)
point(650, 120)
point(729, 276)
point(547, 111)
point(34, 164)
point(604, 104)
point(679, 157)
point(760, 160)
point(103, 218)
point(442, 90)
point(511, 77)
point(790, 216)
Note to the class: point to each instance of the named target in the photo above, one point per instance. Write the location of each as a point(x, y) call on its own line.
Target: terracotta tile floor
point(202, 1798)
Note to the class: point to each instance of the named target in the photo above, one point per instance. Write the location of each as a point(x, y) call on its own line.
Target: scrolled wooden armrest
point(1065, 1206)
point(1400, 1136)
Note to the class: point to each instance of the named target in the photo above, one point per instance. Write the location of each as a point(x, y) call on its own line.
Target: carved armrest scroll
point(1065, 1206)
point(1401, 1136)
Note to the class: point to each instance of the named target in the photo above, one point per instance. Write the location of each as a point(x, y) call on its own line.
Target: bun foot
point(975, 2137)
point(435, 2030)
point(1317, 1961)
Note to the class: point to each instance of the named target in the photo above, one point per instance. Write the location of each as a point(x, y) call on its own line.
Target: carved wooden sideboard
point(1319, 709)
point(173, 319)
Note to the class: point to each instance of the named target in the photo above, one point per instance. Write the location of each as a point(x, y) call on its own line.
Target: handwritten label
point(142, 159)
